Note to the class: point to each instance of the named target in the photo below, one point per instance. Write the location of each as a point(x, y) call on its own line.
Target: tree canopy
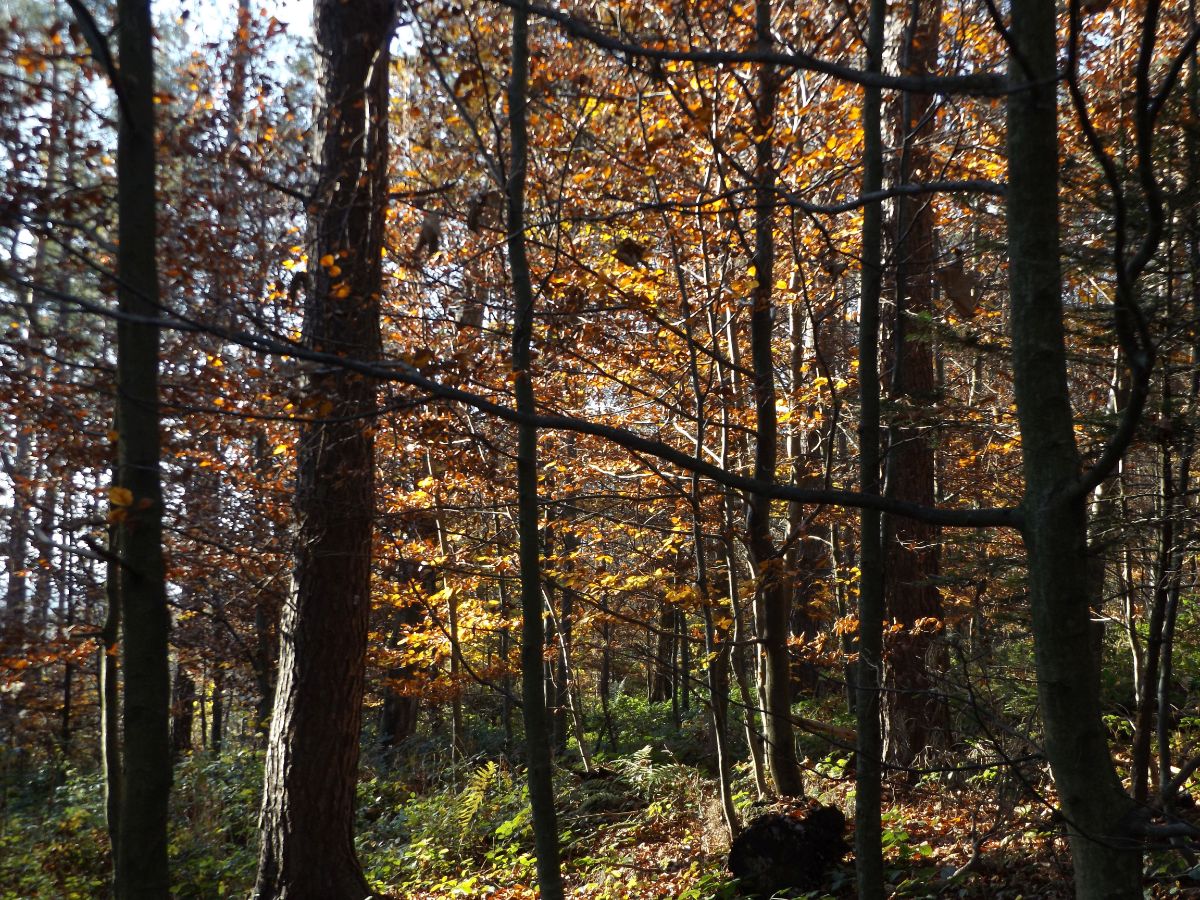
point(490, 446)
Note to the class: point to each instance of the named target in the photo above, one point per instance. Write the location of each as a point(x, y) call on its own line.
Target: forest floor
point(929, 838)
point(647, 826)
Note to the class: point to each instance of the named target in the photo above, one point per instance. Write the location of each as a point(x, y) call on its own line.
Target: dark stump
point(782, 851)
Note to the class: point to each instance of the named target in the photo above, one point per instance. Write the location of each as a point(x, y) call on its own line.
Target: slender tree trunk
point(398, 718)
point(774, 587)
point(66, 732)
point(1108, 862)
point(18, 546)
point(537, 724)
point(868, 852)
point(1148, 686)
point(716, 649)
point(662, 673)
point(307, 821)
point(505, 645)
point(217, 726)
point(266, 654)
point(182, 713)
point(146, 760)
point(741, 666)
point(110, 697)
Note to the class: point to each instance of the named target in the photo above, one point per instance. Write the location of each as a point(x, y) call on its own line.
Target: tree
point(774, 588)
point(868, 672)
point(307, 820)
point(915, 718)
point(1108, 858)
point(136, 495)
point(533, 696)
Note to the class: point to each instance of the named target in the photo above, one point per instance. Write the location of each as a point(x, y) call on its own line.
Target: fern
point(470, 800)
point(670, 782)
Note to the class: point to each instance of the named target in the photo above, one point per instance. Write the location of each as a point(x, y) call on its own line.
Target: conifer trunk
point(307, 821)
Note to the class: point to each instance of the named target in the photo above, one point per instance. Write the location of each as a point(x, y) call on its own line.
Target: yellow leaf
point(327, 260)
point(279, 450)
point(120, 496)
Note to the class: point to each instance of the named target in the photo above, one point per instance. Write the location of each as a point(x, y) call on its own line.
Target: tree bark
point(110, 697)
point(182, 713)
point(141, 868)
point(914, 716)
point(774, 587)
point(537, 723)
point(868, 852)
point(307, 821)
point(1108, 862)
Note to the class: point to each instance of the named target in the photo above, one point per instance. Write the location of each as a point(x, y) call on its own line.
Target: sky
point(213, 18)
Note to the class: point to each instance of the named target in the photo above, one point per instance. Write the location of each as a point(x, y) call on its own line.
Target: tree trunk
point(217, 727)
point(740, 659)
point(182, 713)
point(537, 724)
point(774, 587)
point(398, 718)
point(110, 697)
point(868, 853)
point(307, 822)
point(1108, 862)
point(18, 547)
point(266, 653)
point(662, 672)
point(914, 716)
point(141, 870)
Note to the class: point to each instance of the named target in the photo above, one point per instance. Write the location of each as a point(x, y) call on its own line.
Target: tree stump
point(779, 851)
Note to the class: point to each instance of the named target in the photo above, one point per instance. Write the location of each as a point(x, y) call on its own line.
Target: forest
point(599, 449)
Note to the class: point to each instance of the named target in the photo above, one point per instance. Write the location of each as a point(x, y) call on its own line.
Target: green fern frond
point(470, 800)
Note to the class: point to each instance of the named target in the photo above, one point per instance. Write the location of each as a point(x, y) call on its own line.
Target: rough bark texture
point(1108, 864)
point(307, 817)
point(913, 718)
point(141, 870)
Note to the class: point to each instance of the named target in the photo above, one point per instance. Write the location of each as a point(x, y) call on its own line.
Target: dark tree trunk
point(1108, 862)
point(397, 722)
point(265, 656)
point(182, 713)
point(398, 718)
point(868, 853)
point(914, 717)
point(307, 822)
point(110, 697)
point(537, 724)
point(774, 586)
point(18, 548)
point(663, 674)
point(217, 727)
point(141, 870)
